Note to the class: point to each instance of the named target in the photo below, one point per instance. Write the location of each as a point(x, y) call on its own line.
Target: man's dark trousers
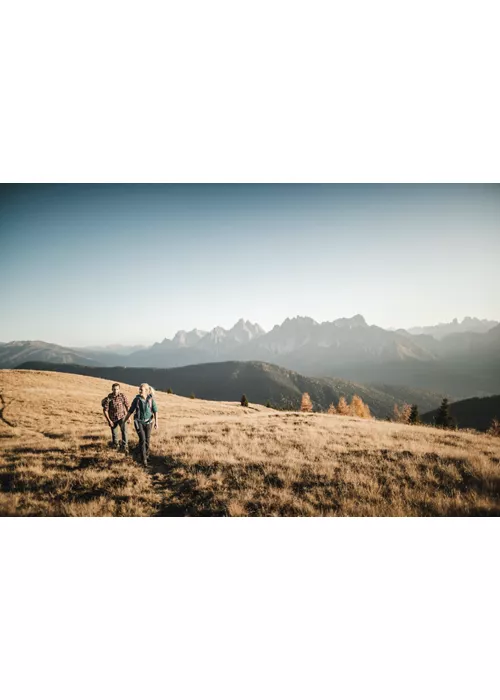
point(115, 431)
point(144, 433)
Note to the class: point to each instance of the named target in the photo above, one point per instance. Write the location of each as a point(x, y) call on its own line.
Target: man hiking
point(115, 407)
point(146, 415)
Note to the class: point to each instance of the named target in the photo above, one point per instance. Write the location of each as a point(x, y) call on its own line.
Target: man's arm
point(155, 413)
point(105, 407)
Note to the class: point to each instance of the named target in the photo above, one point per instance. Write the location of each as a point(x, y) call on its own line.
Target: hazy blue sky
point(98, 264)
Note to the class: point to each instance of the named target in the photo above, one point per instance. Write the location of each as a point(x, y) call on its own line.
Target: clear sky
point(98, 264)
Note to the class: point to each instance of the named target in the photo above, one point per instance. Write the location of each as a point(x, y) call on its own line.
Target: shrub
point(244, 400)
point(268, 404)
point(192, 396)
point(169, 390)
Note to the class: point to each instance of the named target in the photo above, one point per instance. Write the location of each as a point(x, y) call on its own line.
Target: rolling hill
point(211, 458)
point(260, 381)
point(476, 413)
point(19, 351)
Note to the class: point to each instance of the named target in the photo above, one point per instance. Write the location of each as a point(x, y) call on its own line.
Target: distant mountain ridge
point(462, 364)
point(467, 325)
point(346, 338)
point(18, 351)
point(116, 349)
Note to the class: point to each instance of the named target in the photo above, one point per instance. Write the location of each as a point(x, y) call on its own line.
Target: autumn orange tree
point(332, 409)
point(359, 408)
point(343, 407)
point(306, 404)
point(401, 415)
point(494, 428)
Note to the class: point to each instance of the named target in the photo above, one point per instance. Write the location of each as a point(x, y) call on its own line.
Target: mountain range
point(460, 364)
point(468, 324)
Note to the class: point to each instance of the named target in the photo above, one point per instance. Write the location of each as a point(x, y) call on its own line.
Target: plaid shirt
point(116, 406)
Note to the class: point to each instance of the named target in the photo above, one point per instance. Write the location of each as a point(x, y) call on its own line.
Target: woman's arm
point(155, 413)
point(130, 410)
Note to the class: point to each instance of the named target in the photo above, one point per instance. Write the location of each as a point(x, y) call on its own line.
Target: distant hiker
point(115, 407)
point(146, 410)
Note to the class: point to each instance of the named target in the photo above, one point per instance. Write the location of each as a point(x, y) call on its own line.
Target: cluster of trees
point(357, 407)
point(407, 413)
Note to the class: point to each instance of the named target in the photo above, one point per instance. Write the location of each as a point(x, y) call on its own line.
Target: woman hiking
point(146, 415)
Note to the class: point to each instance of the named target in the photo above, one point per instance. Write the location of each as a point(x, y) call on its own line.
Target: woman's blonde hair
point(149, 388)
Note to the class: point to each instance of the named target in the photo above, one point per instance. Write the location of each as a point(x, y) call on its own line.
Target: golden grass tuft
point(221, 458)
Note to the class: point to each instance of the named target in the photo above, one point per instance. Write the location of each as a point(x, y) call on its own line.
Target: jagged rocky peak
point(357, 321)
point(300, 321)
point(218, 331)
point(187, 338)
point(244, 329)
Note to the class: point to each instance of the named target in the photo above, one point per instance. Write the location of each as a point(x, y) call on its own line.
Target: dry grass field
point(219, 458)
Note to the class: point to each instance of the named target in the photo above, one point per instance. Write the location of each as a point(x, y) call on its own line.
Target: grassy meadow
point(219, 458)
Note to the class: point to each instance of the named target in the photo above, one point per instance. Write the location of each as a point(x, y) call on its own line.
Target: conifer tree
point(268, 404)
point(332, 409)
point(342, 407)
point(414, 416)
point(443, 418)
point(306, 403)
point(244, 400)
point(169, 390)
point(192, 395)
point(359, 408)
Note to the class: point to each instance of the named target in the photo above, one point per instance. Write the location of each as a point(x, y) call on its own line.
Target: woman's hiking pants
point(119, 425)
point(144, 433)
